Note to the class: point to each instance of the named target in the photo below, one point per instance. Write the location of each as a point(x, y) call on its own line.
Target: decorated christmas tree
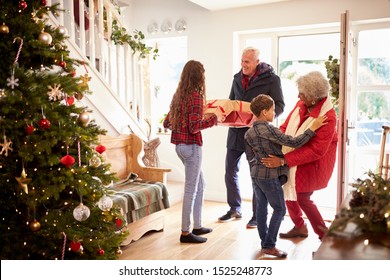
point(54, 200)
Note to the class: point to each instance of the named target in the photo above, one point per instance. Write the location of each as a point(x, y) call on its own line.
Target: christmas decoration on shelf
point(368, 210)
point(43, 133)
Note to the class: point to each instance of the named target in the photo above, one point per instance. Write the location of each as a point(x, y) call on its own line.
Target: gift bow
point(210, 105)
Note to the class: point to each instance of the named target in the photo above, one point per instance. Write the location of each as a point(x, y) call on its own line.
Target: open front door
point(346, 43)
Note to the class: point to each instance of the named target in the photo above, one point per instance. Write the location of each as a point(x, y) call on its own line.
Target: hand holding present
point(220, 115)
point(235, 113)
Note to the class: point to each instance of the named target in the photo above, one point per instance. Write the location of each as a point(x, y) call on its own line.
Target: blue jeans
point(268, 191)
point(232, 167)
point(191, 156)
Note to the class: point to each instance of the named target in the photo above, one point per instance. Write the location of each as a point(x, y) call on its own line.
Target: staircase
point(121, 95)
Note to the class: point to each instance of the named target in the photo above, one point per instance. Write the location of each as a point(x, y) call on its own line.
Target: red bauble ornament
point(70, 100)
point(43, 3)
point(62, 64)
point(75, 246)
point(100, 149)
point(30, 129)
point(118, 222)
point(68, 160)
point(100, 252)
point(22, 5)
point(44, 123)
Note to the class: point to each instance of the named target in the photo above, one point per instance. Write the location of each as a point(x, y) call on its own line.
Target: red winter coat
point(316, 159)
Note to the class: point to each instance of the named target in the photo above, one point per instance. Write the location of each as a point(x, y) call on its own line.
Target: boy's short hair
point(260, 103)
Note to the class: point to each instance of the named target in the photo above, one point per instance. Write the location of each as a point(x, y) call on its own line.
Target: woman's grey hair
point(313, 85)
point(252, 49)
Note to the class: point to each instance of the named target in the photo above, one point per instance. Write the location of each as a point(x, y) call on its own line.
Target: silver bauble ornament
point(81, 212)
point(105, 203)
point(95, 161)
point(45, 38)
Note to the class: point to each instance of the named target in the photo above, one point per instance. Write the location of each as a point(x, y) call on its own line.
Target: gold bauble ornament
point(45, 38)
point(35, 225)
point(4, 29)
point(84, 118)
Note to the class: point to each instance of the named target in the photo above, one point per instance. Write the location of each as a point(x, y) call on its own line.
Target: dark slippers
point(192, 238)
point(202, 230)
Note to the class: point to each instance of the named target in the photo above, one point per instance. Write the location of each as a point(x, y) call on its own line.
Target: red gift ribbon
point(210, 105)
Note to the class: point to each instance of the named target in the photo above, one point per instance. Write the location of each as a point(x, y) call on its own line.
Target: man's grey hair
point(252, 49)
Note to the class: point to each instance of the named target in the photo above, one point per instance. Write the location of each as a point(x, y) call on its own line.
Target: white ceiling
point(214, 5)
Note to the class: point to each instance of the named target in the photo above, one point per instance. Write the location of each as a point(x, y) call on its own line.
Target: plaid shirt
point(264, 139)
point(190, 134)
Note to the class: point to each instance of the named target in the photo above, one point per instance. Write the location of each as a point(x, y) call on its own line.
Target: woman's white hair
point(313, 85)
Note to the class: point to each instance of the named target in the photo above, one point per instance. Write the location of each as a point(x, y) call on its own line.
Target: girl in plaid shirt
point(186, 120)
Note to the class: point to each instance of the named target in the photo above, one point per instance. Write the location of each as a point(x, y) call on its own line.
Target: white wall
point(211, 41)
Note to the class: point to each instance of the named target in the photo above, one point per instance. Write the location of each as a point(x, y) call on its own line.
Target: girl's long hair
point(192, 80)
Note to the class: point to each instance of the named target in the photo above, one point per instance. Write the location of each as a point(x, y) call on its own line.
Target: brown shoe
point(274, 252)
point(296, 232)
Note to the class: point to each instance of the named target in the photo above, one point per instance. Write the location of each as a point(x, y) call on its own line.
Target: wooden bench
point(124, 153)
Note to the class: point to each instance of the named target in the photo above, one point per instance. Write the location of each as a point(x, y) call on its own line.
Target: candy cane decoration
point(20, 48)
point(63, 247)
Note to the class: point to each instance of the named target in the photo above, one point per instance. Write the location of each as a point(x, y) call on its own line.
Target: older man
point(254, 78)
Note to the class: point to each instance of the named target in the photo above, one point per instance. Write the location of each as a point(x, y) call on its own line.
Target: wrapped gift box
point(238, 113)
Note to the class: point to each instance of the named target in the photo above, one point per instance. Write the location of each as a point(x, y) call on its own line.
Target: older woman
point(310, 166)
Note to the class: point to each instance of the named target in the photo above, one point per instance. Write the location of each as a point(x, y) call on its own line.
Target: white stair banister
point(116, 65)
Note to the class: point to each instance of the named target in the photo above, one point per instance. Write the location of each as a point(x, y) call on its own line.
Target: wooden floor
point(228, 241)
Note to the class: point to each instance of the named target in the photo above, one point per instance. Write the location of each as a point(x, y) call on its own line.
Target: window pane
point(299, 55)
point(374, 112)
point(374, 57)
point(165, 73)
